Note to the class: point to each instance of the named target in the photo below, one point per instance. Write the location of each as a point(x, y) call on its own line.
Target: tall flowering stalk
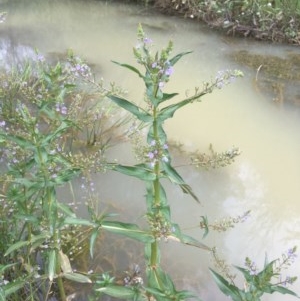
point(157, 165)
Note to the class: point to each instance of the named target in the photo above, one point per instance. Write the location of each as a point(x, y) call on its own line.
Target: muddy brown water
point(264, 179)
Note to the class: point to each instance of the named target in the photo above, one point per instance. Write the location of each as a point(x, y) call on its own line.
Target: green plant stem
point(60, 283)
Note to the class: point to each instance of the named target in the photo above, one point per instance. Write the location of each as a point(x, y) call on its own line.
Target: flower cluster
point(157, 152)
point(61, 108)
point(251, 266)
point(225, 77)
point(158, 67)
point(78, 68)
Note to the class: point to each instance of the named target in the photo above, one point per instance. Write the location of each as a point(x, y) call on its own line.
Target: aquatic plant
point(44, 113)
point(41, 121)
point(155, 166)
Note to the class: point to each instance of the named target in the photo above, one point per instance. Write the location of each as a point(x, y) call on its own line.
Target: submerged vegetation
point(274, 20)
point(56, 125)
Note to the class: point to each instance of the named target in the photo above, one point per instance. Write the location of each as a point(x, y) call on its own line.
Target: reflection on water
point(265, 178)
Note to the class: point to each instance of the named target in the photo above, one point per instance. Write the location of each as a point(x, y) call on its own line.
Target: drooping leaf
point(135, 70)
point(188, 240)
point(118, 291)
point(140, 171)
point(129, 230)
point(225, 287)
point(76, 277)
point(140, 113)
point(175, 178)
point(177, 235)
point(284, 290)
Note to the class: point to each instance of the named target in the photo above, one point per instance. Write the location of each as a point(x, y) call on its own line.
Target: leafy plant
point(257, 283)
point(157, 165)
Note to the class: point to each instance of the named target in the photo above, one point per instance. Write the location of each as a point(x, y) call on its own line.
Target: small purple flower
point(151, 155)
point(147, 41)
point(161, 84)
point(169, 71)
point(165, 146)
point(2, 123)
point(40, 58)
point(64, 110)
point(154, 65)
point(153, 143)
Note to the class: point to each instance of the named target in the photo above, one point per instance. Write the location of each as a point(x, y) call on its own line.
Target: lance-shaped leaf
point(227, 288)
point(177, 235)
point(283, 290)
point(140, 171)
point(117, 291)
point(51, 264)
point(16, 246)
point(167, 96)
point(69, 220)
point(129, 230)
point(175, 178)
point(77, 277)
point(93, 238)
point(140, 113)
point(177, 57)
point(10, 288)
point(169, 111)
point(135, 70)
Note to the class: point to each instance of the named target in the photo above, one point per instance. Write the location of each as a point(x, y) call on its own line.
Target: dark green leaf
point(167, 96)
point(129, 230)
point(140, 113)
point(177, 57)
point(169, 111)
point(283, 290)
point(175, 178)
point(225, 287)
point(135, 70)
